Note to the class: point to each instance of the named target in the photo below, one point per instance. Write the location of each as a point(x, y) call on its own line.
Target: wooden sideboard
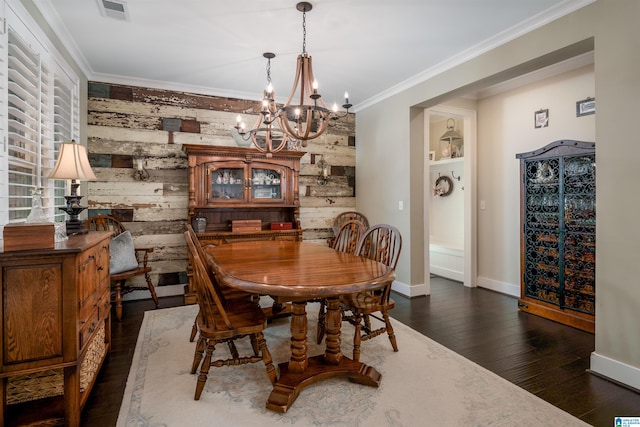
point(56, 329)
point(228, 184)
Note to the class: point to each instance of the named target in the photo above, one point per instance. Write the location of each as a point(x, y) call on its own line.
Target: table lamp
point(73, 164)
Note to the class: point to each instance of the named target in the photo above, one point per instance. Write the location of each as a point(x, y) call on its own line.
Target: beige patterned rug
point(424, 384)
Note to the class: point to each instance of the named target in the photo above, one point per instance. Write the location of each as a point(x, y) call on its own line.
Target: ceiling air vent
point(114, 9)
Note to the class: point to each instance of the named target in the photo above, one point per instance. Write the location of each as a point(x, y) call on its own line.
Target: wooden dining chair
point(344, 217)
point(127, 261)
point(381, 243)
point(224, 321)
point(346, 240)
point(228, 292)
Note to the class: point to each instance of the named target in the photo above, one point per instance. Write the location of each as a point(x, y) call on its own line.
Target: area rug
point(424, 384)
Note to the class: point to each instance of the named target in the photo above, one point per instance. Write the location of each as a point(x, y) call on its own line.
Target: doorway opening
point(450, 193)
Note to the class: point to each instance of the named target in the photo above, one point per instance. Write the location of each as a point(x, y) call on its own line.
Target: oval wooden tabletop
point(295, 269)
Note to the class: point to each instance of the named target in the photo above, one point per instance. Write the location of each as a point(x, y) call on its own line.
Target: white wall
point(382, 180)
point(505, 128)
point(447, 213)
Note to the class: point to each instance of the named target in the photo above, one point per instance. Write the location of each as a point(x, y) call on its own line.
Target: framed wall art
point(541, 118)
point(585, 107)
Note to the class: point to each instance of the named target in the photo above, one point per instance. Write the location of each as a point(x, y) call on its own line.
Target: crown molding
point(172, 86)
point(54, 21)
point(487, 45)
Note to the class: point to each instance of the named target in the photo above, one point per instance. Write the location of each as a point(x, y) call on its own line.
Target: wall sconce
point(325, 171)
point(140, 173)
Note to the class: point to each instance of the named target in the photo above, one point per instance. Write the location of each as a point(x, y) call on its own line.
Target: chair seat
point(381, 243)
point(245, 316)
point(366, 302)
point(119, 285)
point(130, 273)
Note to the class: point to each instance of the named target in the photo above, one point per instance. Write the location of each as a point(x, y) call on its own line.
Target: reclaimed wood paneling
point(123, 118)
point(344, 203)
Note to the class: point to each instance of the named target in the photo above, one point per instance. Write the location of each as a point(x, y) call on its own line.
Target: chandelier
point(303, 117)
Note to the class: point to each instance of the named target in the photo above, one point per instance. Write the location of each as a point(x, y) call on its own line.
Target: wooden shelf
point(446, 161)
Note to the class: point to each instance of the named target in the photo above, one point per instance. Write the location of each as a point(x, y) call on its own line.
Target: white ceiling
point(370, 48)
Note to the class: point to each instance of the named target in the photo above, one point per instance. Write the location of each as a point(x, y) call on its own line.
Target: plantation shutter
point(4, 168)
point(39, 108)
point(66, 127)
point(28, 113)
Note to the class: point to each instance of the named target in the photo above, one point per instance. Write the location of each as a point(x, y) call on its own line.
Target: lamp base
point(73, 209)
point(76, 226)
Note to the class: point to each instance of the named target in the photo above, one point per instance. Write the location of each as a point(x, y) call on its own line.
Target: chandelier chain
point(304, 32)
point(268, 70)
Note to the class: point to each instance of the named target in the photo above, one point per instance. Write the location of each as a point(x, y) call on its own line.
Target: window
point(41, 101)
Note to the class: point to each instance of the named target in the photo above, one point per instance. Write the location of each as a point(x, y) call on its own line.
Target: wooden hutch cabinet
point(240, 184)
point(243, 194)
point(558, 233)
point(56, 329)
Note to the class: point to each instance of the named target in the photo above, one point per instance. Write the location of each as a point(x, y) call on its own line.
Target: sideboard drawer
point(89, 327)
point(104, 305)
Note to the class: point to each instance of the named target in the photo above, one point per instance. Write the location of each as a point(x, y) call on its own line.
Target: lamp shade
point(72, 163)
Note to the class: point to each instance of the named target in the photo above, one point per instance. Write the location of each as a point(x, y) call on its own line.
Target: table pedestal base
point(289, 385)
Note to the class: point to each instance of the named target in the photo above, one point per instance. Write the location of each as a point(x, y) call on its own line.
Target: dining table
point(297, 272)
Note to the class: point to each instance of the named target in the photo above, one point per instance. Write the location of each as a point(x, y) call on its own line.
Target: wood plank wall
point(124, 118)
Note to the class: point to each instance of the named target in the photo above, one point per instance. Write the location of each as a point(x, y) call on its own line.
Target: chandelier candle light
point(298, 122)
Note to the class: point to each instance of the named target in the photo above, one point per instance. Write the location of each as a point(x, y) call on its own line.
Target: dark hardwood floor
point(548, 359)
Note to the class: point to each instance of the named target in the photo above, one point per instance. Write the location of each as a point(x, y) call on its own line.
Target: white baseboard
point(409, 291)
point(615, 370)
point(458, 276)
point(497, 286)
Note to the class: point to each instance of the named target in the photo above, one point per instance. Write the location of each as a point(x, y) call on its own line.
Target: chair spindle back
point(348, 236)
point(381, 243)
point(208, 294)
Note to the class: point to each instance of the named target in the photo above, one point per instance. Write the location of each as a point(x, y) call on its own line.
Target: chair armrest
point(145, 256)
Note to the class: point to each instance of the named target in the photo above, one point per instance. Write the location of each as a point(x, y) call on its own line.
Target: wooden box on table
point(19, 237)
point(246, 225)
